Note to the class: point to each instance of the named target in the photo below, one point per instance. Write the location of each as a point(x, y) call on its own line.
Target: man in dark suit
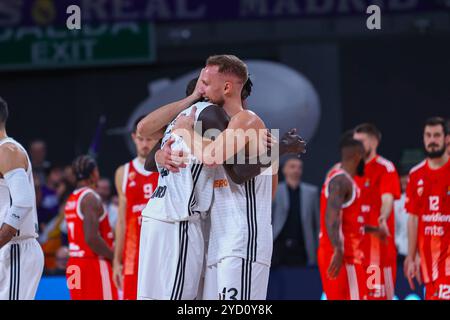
point(295, 218)
point(296, 222)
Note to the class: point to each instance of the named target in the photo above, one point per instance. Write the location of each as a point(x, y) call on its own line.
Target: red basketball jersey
point(428, 197)
point(380, 177)
point(352, 224)
point(78, 248)
point(138, 186)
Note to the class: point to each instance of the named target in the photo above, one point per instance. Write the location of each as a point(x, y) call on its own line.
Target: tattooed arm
point(340, 189)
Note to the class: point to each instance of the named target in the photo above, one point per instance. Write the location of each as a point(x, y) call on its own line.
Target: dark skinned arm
point(340, 189)
point(215, 117)
point(6, 234)
point(150, 163)
point(289, 143)
point(92, 209)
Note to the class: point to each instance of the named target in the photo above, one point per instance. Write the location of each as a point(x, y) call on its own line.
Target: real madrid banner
point(46, 12)
point(34, 33)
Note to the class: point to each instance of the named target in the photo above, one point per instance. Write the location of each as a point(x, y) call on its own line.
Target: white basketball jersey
point(241, 219)
point(184, 195)
point(29, 226)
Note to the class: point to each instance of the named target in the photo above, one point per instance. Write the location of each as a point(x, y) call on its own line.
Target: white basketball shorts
point(170, 260)
point(21, 266)
point(235, 278)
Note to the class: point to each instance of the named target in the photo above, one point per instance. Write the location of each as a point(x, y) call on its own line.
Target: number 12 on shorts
point(228, 294)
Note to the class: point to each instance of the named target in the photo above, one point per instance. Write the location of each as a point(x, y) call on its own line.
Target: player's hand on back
point(185, 121)
point(171, 160)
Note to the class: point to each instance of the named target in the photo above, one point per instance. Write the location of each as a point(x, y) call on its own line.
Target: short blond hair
point(229, 64)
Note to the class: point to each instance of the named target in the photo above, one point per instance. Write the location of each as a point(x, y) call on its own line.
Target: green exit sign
point(50, 47)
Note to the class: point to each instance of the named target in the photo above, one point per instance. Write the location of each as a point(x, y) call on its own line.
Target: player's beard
point(360, 168)
point(436, 153)
point(219, 101)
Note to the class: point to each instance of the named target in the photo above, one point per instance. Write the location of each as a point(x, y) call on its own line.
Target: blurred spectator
point(105, 191)
point(38, 156)
point(68, 184)
point(51, 241)
point(69, 178)
point(401, 219)
point(37, 189)
point(55, 181)
point(50, 198)
point(62, 255)
point(295, 218)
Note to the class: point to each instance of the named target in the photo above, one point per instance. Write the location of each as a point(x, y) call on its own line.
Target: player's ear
point(227, 87)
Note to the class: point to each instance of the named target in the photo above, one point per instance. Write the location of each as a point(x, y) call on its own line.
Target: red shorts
point(90, 279)
point(381, 282)
point(130, 274)
point(438, 289)
point(349, 284)
point(130, 287)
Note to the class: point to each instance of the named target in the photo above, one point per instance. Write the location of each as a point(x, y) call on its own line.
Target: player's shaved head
point(352, 154)
point(350, 148)
point(3, 113)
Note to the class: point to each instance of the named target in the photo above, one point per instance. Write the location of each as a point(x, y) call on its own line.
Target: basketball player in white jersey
point(240, 244)
point(171, 245)
point(21, 257)
point(235, 224)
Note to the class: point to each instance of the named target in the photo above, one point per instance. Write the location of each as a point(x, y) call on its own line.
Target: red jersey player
point(428, 205)
point(342, 227)
point(134, 186)
point(380, 186)
point(89, 270)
